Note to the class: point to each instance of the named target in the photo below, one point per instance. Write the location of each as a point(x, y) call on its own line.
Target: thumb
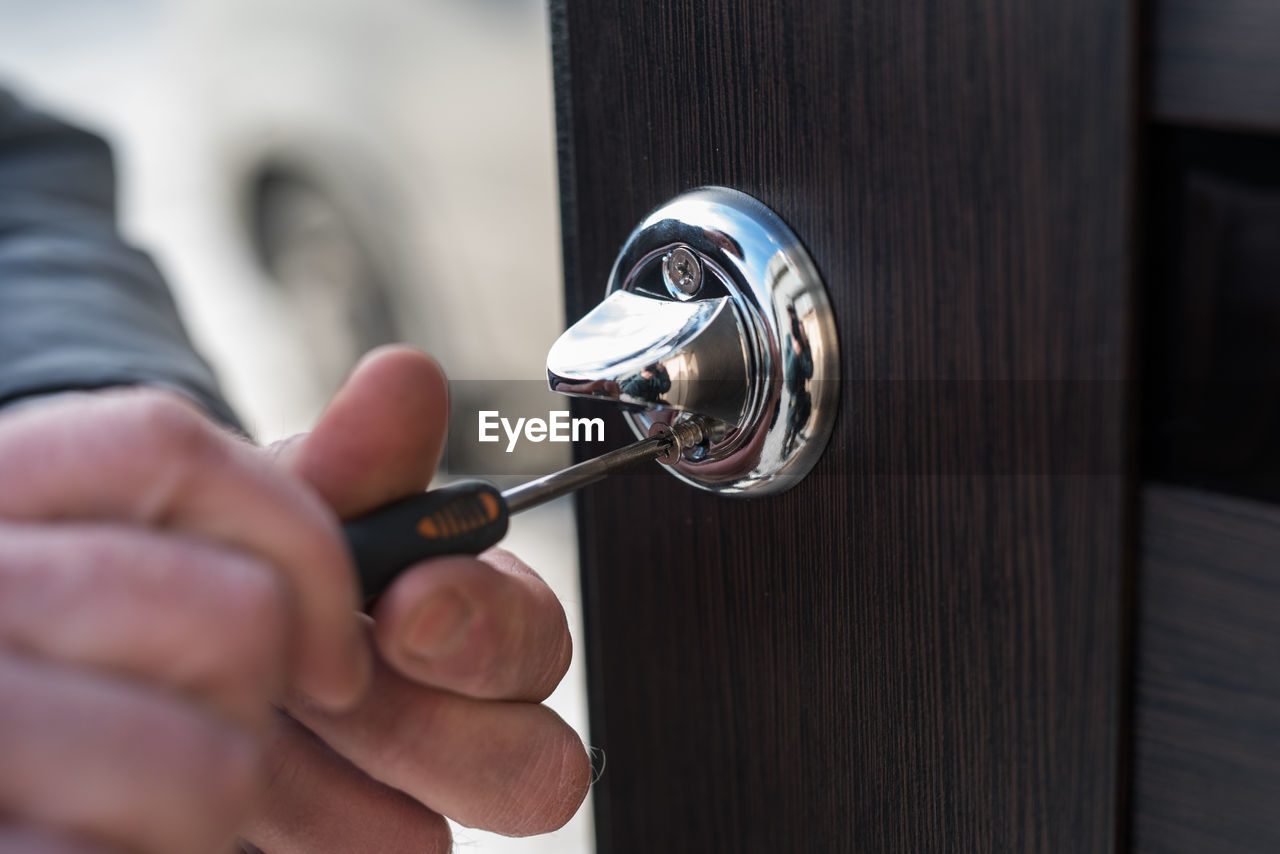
point(380, 437)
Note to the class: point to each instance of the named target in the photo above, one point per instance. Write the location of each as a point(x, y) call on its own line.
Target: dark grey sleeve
point(79, 309)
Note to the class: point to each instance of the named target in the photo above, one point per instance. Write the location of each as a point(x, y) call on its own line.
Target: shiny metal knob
point(714, 310)
point(656, 353)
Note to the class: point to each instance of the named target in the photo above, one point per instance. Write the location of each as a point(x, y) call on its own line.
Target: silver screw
point(683, 271)
point(689, 435)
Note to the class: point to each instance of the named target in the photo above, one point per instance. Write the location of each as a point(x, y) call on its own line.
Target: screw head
point(682, 271)
point(689, 438)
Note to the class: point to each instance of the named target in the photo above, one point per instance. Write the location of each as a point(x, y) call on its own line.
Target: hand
point(466, 650)
point(161, 582)
point(159, 586)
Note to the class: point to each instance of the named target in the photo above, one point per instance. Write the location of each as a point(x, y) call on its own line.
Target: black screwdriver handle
point(462, 518)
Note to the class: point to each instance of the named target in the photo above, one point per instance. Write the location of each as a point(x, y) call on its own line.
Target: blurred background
point(317, 177)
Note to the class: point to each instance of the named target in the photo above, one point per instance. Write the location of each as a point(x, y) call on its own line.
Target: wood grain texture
point(1207, 705)
point(907, 652)
point(1216, 63)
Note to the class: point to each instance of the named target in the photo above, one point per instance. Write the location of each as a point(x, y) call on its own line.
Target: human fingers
point(200, 618)
point(379, 440)
point(144, 457)
point(319, 803)
point(153, 773)
point(381, 436)
point(487, 628)
point(512, 768)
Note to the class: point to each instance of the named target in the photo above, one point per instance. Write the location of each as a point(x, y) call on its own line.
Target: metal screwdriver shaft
point(565, 481)
point(575, 477)
point(471, 516)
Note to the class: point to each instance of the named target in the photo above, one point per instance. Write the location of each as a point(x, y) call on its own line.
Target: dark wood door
point(922, 646)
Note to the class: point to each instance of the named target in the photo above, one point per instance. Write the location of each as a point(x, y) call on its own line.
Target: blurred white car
point(320, 176)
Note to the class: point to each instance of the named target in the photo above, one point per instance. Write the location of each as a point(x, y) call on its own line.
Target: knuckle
point(206, 776)
point(255, 608)
point(122, 762)
point(169, 426)
point(162, 413)
point(517, 646)
point(222, 635)
point(260, 602)
point(222, 768)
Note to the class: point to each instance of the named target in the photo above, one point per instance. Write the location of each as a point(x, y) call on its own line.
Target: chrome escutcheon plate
point(714, 310)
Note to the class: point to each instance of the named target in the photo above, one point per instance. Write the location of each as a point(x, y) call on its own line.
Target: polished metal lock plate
point(714, 311)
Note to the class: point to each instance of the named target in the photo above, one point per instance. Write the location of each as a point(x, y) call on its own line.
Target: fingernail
point(597, 763)
point(440, 624)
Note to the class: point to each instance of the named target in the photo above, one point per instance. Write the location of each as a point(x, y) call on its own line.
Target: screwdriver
point(470, 516)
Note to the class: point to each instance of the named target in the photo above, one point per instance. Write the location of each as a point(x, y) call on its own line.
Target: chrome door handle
point(714, 310)
point(655, 353)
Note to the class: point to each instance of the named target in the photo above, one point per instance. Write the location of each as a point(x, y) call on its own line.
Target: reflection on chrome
point(654, 353)
point(754, 354)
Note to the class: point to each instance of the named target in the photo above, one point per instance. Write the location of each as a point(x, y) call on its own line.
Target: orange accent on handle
point(453, 520)
point(490, 505)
